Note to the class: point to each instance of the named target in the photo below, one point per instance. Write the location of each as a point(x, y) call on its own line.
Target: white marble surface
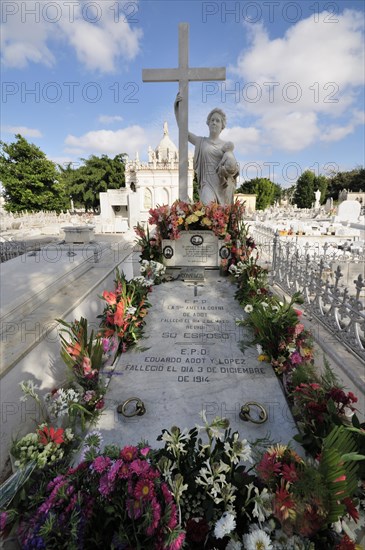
point(193, 357)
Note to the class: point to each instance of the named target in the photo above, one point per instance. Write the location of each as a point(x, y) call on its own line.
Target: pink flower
point(156, 516)
point(296, 358)
point(86, 365)
point(299, 327)
point(145, 451)
point(134, 508)
point(144, 489)
point(88, 396)
point(100, 464)
point(141, 468)
point(3, 520)
point(178, 542)
point(129, 453)
point(105, 485)
point(100, 404)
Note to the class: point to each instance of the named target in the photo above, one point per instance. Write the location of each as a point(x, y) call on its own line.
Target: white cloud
point(315, 70)
point(246, 140)
point(24, 38)
point(98, 36)
point(23, 130)
point(127, 140)
point(109, 119)
point(337, 132)
point(99, 45)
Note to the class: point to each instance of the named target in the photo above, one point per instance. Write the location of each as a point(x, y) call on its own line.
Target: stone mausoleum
point(148, 184)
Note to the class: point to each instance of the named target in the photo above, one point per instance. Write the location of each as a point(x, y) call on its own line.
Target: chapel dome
point(166, 149)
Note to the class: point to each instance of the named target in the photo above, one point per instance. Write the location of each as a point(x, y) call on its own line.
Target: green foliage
point(30, 180)
point(272, 323)
point(150, 245)
point(338, 467)
point(306, 186)
point(353, 181)
point(304, 192)
point(83, 344)
point(195, 189)
point(265, 190)
point(96, 175)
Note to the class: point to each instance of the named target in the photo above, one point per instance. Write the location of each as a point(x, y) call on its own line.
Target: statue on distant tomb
point(217, 181)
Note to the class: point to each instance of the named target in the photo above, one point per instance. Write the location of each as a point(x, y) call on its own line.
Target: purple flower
point(3, 520)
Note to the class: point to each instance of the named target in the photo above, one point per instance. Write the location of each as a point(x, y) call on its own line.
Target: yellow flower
point(206, 221)
point(277, 449)
point(180, 220)
point(263, 357)
point(198, 213)
point(192, 218)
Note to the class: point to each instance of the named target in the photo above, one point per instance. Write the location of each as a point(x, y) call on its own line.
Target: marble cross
point(183, 75)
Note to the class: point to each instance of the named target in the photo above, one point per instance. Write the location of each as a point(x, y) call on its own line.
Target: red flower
point(346, 544)
point(351, 508)
point(290, 473)
point(119, 314)
point(50, 435)
point(268, 467)
point(74, 349)
point(110, 297)
point(283, 504)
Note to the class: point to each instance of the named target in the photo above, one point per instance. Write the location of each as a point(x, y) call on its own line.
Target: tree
point(354, 181)
point(264, 189)
point(30, 180)
point(304, 191)
point(96, 175)
point(305, 188)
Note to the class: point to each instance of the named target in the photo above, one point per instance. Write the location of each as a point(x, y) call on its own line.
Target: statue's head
point(221, 114)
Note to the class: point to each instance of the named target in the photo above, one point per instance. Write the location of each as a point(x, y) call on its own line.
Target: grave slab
point(193, 357)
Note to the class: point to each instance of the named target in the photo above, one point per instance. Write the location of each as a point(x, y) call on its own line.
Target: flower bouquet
point(44, 446)
point(150, 245)
point(112, 499)
point(83, 355)
point(125, 309)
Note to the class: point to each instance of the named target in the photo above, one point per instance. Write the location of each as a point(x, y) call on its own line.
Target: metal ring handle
point(139, 410)
point(245, 413)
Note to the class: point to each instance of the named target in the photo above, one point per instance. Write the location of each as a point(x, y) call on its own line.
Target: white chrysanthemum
point(248, 308)
point(131, 310)
point(259, 349)
point(257, 540)
point(234, 545)
point(224, 526)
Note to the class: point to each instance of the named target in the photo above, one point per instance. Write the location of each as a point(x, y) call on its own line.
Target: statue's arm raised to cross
point(183, 75)
point(191, 137)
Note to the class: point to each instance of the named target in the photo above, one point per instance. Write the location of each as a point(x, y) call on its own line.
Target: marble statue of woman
point(215, 184)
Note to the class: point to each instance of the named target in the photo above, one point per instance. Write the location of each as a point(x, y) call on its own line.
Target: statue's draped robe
point(207, 156)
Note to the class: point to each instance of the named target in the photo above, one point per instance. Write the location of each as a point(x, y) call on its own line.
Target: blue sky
point(294, 94)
